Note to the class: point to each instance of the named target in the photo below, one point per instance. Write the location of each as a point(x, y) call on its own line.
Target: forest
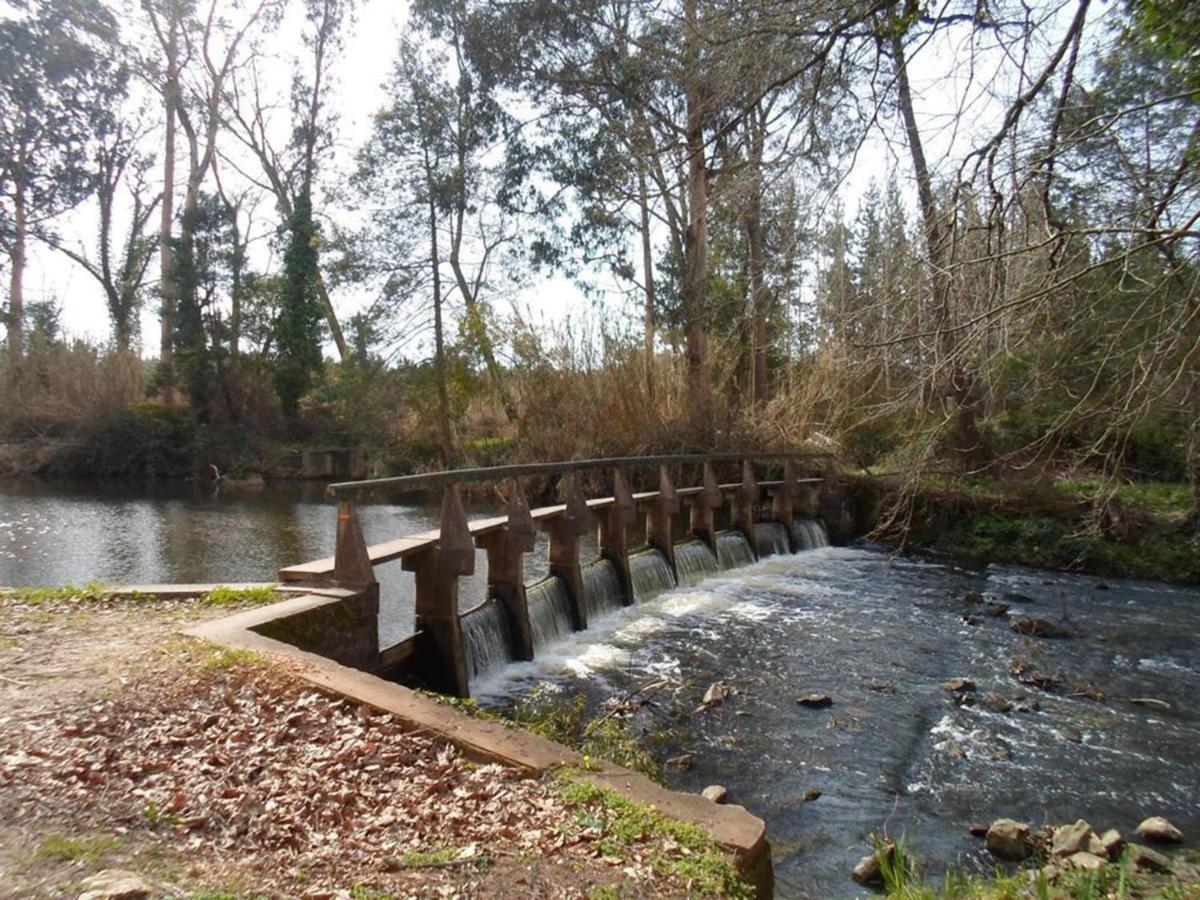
point(1013, 290)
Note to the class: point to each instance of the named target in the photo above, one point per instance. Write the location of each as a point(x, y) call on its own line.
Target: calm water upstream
point(54, 533)
point(896, 753)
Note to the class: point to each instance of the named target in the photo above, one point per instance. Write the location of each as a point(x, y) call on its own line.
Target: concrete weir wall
point(331, 635)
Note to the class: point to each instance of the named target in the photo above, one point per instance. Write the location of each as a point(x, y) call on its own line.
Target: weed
point(227, 596)
point(624, 823)
point(61, 848)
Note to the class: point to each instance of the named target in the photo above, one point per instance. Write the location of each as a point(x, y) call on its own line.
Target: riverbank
point(1142, 530)
point(204, 773)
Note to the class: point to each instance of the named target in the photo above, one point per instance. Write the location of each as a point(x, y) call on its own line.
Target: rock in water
point(714, 792)
point(1010, 840)
point(1038, 628)
point(811, 794)
point(1156, 828)
point(959, 685)
point(816, 701)
point(1143, 859)
point(975, 829)
point(1085, 860)
point(972, 597)
point(1071, 839)
point(716, 694)
point(115, 884)
point(997, 610)
point(679, 763)
point(867, 872)
point(1112, 842)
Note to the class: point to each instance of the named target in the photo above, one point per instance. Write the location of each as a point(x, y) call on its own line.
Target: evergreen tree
point(298, 325)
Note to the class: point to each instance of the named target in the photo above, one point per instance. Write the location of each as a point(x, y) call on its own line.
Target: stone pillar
point(783, 501)
point(743, 505)
point(506, 549)
point(355, 639)
point(437, 571)
point(614, 533)
point(835, 510)
point(660, 521)
point(565, 531)
point(704, 506)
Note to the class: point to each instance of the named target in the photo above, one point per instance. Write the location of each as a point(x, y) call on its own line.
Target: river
point(898, 753)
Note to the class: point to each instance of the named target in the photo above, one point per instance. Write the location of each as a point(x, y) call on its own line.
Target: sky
point(939, 83)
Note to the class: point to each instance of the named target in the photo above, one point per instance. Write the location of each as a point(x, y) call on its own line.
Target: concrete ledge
point(741, 834)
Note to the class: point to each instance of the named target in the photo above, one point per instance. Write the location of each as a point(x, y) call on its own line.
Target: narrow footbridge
point(646, 540)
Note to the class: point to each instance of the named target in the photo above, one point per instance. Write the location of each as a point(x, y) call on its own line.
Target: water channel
point(896, 752)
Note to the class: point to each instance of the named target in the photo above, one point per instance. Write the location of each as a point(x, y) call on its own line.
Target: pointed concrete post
point(565, 531)
point(660, 522)
point(437, 573)
point(351, 561)
point(743, 505)
point(704, 504)
point(614, 533)
point(506, 548)
point(783, 501)
point(358, 640)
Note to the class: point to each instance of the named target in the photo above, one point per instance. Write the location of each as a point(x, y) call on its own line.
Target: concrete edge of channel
point(741, 834)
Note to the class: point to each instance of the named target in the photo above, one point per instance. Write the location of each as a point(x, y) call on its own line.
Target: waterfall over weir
point(549, 611)
point(810, 534)
point(602, 589)
point(694, 562)
point(651, 574)
point(733, 550)
point(487, 637)
point(771, 539)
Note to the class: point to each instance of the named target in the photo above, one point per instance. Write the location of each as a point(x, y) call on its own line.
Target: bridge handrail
point(425, 481)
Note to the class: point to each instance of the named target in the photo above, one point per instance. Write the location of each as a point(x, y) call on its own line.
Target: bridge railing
point(623, 520)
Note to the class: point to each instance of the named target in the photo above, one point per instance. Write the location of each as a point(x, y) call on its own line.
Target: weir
point(648, 542)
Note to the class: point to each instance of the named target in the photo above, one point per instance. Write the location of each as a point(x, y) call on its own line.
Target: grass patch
point(62, 848)
point(416, 859)
point(624, 824)
point(227, 596)
point(90, 591)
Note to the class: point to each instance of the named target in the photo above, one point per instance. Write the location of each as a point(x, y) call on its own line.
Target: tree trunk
point(166, 276)
point(648, 277)
point(695, 251)
point(16, 297)
point(952, 382)
point(445, 436)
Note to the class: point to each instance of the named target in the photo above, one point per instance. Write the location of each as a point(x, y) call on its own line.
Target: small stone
point(714, 792)
point(115, 884)
point(679, 763)
point(972, 597)
point(815, 701)
point(977, 829)
point(1010, 840)
point(1156, 828)
point(867, 872)
point(1143, 859)
point(997, 610)
point(1039, 628)
point(1071, 839)
point(1017, 597)
point(1096, 847)
point(974, 621)
point(716, 694)
point(1151, 702)
point(810, 795)
point(1102, 585)
point(1085, 860)
point(1074, 735)
point(1112, 842)
point(959, 685)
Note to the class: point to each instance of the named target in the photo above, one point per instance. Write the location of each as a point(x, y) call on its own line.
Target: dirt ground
point(212, 775)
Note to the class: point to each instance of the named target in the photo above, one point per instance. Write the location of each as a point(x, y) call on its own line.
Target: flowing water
point(602, 589)
point(733, 550)
point(651, 574)
point(771, 539)
point(695, 562)
point(810, 534)
point(897, 752)
point(549, 611)
point(487, 637)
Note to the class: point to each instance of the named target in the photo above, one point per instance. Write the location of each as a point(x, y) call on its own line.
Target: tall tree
point(62, 78)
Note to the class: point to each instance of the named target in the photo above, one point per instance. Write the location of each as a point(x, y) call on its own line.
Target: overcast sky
point(938, 81)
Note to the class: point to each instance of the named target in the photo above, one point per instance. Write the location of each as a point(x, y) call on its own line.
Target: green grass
point(62, 848)
point(227, 596)
point(1173, 499)
point(415, 859)
point(91, 591)
point(624, 824)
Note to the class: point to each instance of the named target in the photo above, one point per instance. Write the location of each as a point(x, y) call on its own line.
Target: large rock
point(1156, 828)
point(1071, 839)
point(1143, 859)
point(115, 884)
point(1112, 843)
point(815, 701)
point(1085, 860)
point(1010, 840)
